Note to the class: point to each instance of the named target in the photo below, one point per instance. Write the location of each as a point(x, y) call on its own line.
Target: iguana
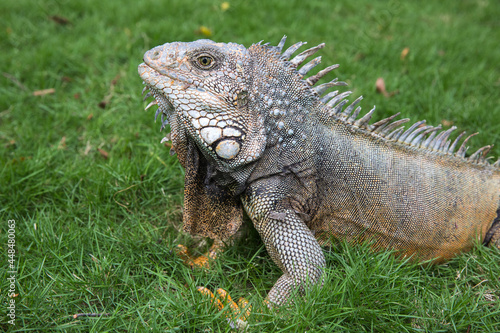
point(255, 134)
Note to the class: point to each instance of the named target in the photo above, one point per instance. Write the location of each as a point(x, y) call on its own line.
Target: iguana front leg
point(290, 243)
point(294, 249)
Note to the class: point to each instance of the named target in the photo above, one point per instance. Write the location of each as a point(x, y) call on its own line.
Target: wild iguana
point(255, 135)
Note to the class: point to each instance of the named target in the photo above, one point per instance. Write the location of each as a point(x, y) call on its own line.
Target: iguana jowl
point(253, 133)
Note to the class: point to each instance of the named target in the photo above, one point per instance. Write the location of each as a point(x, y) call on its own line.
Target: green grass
point(96, 234)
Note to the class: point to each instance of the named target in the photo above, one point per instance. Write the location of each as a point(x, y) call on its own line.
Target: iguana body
point(253, 134)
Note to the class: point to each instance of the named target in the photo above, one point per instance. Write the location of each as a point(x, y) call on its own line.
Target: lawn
point(97, 200)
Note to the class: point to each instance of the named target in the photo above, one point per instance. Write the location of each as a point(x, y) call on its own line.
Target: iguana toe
point(237, 314)
point(202, 261)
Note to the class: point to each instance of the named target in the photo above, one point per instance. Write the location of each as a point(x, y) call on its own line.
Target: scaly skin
point(253, 134)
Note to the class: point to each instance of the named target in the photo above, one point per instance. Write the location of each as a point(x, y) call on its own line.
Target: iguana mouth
point(165, 106)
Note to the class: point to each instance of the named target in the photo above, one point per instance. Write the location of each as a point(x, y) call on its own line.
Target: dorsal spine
point(418, 135)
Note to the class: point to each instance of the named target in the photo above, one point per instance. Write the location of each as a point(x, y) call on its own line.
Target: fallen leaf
point(44, 92)
point(62, 143)
point(404, 53)
point(115, 79)
point(104, 153)
point(446, 122)
point(380, 87)
point(21, 159)
point(60, 20)
point(90, 116)
point(203, 30)
point(88, 147)
point(11, 143)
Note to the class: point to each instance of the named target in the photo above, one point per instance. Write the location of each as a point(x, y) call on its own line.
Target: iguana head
point(228, 107)
point(202, 89)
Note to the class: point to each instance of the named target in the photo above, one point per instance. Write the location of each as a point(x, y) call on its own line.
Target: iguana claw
point(202, 261)
point(239, 312)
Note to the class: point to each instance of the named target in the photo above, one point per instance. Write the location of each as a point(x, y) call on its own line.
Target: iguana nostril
point(156, 54)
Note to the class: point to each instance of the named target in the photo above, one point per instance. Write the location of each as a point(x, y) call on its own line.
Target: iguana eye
point(205, 61)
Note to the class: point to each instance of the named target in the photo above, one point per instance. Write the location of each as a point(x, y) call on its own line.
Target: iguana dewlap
point(254, 134)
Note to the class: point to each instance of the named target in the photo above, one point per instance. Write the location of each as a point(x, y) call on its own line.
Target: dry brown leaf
point(62, 143)
point(115, 79)
point(446, 123)
point(44, 92)
point(90, 116)
point(21, 159)
point(104, 153)
point(404, 53)
point(88, 147)
point(11, 143)
point(60, 20)
point(380, 87)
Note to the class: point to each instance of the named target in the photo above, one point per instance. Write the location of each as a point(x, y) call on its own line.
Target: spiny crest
point(418, 135)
